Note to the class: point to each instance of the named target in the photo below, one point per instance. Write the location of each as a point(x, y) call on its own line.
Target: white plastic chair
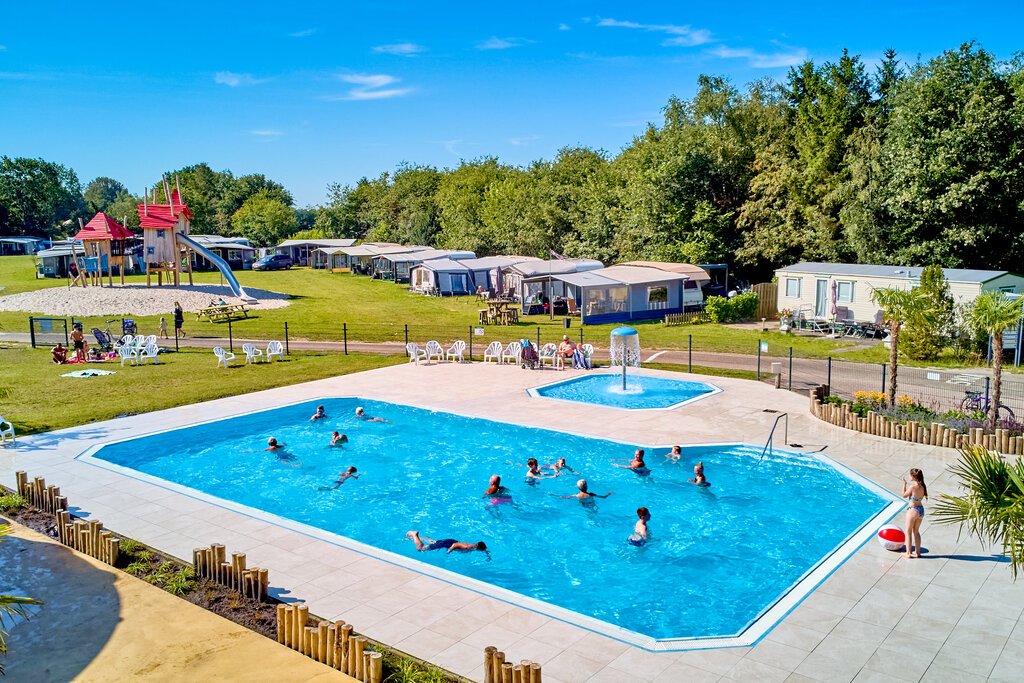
point(588, 351)
point(511, 353)
point(434, 350)
point(455, 351)
point(493, 352)
point(547, 354)
point(128, 340)
point(223, 356)
point(275, 348)
point(416, 354)
point(151, 339)
point(252, 354)
point(127, 352)
point(150, 351)
point(7, 430)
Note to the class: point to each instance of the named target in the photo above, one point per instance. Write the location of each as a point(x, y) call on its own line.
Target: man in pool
point(698, 475)
point(318, 415)
point(337, 439)
point(636, 464)
point(585, 495)
point(447, 543)
point(366, 418)
point(278, 449)
point(640, 532)
point(674, 455)
point(533, 471)
point(350, 473)
point(496, 491)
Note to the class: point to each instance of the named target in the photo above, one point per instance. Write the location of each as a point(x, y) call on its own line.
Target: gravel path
point(131, 299)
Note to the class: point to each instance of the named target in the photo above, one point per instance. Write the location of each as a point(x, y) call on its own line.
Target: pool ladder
point(768, 444)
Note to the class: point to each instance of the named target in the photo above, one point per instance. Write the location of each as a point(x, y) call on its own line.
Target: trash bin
point(566, 322)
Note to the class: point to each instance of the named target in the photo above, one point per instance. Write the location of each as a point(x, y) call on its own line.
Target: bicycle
point(977, 401)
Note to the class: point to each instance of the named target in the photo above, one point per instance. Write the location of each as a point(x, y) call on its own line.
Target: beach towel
point(87, 373)
point(580, 361)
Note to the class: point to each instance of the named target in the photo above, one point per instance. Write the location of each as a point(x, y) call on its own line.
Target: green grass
point(39, 399)
point(703, 370)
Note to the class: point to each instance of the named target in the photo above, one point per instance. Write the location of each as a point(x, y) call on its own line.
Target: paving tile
point(868, 676)
point(533, 650)
point(593, 646)
point(969, 650)
point(460, 658)
point(490, 634)
point(905, 663)
point(678, 671)
point(558, 632)
point(822, 666)
point(937, 673)
point(424, 643)
point(749, 670)
point(1010, 662)
point(642, 665)
point(925, 627)
point(796, 636)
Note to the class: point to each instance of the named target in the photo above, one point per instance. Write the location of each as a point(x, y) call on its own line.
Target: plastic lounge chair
point(252, 354)
point(128, 340)
point(223, 356)
point(275, 348)
point(493, 352)
point(434, 350)
point(588, 355)
point(150, 351)
point(547, 354)
point(127, 352)
point(7, 430)
point(455, 351)
point(416, 354)
point(511, 353)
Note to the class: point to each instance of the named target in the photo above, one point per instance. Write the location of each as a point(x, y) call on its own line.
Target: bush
point(744, 306)
point(13, 501)
point(718, 308)
point(740, 307)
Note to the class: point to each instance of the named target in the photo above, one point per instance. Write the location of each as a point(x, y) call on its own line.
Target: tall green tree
point(898, 306)
point(995, 313)
point(264, 219)
point(124, 209)
point(928, 332)
point(39, 198)
point(460, 195)
point(101, 192)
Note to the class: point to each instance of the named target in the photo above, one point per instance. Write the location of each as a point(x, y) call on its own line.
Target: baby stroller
point(103, 342)
point(528, 357)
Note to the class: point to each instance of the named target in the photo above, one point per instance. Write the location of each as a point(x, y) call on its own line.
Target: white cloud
point(265, 133)
point(370, 87)
point(495, 43)
point(233, 80)
point(563, 27)
point(450, 145)
point(401, 49)
point(519, 142)
point(683, 36)
point(303, 34)
point(762, 60)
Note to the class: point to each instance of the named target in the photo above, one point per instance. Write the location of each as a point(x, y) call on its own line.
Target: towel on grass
point(87, 373)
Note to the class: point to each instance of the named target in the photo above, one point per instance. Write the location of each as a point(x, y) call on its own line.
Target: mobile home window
point(844, 292)
point(1007, 289)
point(793, 287)
point(657, 295)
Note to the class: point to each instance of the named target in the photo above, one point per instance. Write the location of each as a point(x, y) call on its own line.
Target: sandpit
point(132, 299)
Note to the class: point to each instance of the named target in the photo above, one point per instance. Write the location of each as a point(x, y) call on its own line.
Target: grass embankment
point(704, 370)
point(35, 396)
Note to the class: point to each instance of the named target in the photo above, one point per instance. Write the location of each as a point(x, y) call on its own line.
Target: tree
point(898, 306)
point(992, 509)
point(927, 333)
point(11, 606)
point(995, 313)
point(264, 220)
point(101, 192)
point(38, 197)
point(126, 208)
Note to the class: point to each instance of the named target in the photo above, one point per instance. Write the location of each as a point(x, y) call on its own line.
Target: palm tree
point(992, 509)
point(995, 313)
point(898, 306)
point(11, 606)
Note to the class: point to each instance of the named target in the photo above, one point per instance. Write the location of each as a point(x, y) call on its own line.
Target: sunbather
point(60, 354)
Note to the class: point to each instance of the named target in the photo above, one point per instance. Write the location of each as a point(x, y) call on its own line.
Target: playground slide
point(221, 264)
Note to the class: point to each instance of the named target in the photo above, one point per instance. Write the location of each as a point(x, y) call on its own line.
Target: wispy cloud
point(265, 133)
point(682, 36)
point(563, 27)
point(401, 49)
point(370, 87)
point(303, 33)
point(761, 60)
point(233, 80)
point(519, 142)
point(449, 145)
point(496, 43)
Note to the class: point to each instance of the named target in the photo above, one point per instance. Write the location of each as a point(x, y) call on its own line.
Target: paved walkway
point(100, 624)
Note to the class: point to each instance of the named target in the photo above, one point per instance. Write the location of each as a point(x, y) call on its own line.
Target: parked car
point(273, 262)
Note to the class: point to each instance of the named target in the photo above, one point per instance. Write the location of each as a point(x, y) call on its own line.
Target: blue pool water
point(718, 556)
point(642, 391)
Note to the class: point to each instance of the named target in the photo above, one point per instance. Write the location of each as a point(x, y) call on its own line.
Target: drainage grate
point(769, 410)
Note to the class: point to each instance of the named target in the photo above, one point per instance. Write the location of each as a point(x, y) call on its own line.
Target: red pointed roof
point(103, 227)
point(163, 215)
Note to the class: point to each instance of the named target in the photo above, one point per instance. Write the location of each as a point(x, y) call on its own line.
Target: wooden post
point(506, 672)
point(301, 616)
point(496, 662)
point(488, 660)
point(312, 643)
point(376, 667)
point(535, 672)
point(289, 626)
point(115, 550)
point(264, 583)
point(21, 481)
point(281, 612)
point(332, 646)
point(366, 667)
point(360, 646)
point(321, 636)
point(517, 673)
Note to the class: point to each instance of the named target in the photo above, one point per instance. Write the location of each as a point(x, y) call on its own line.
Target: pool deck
point(953, 615)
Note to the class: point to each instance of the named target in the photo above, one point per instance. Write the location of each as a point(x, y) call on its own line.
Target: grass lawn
point(36, 398)
point(703, 370)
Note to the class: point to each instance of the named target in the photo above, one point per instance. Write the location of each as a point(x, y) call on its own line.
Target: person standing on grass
point(179, 320)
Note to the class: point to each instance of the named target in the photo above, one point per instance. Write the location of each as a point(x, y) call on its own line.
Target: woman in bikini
point(915, 492)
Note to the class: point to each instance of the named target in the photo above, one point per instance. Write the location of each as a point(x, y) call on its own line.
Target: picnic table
point(500, 311)
point(222, 312)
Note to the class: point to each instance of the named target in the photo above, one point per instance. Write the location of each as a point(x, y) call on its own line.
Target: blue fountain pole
point(623, 369)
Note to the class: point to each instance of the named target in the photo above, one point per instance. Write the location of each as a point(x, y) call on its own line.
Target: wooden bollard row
point(934, 434)
point(332, 643)
point(498, 670)
point(211, 563)
point(88, 537)
point(46, 498)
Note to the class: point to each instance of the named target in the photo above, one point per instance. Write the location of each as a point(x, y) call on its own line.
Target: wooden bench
point(223, 312)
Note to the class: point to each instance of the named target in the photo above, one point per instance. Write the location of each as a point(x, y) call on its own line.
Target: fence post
point(32, 330)
point(538, 338)
point(581, 337)
point(828, 381)
point(987, 381)
point(231, 339)
point(689, 355)
point(791, 368)
point(758, 360)
point(287, 352)
point(407, 339)
point(470, 343)
point(883, 379)
point(344, 332)
point(67, 341)
point(175, 338)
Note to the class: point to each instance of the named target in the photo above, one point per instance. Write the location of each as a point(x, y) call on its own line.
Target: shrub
point(744, 305)
point(13, 501)
point(740, 307)
point(181, 583)
point(718, 309)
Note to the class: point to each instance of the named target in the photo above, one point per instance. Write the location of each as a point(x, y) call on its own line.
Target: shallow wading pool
point(725, 562)
point(642, 392)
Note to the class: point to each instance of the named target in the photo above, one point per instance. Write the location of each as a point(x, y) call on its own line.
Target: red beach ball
point(891, 537)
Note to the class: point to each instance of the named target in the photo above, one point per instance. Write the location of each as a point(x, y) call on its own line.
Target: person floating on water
point(641, 534)
point(337, 439)
point(350, 473)
point(636, 464)
point(496, 492)
point(318, 415)
point(278, 449)
point(446, 543)
point(533, 471)
point(366, 418)
point(698, 475)
point(674, 454)
point(585, 495)
point(558, 467)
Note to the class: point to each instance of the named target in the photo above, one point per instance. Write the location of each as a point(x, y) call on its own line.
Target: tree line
point(910, 164)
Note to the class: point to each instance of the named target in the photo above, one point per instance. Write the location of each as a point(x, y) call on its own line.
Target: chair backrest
point(588, 349)
point(218, 351)
point(151, 350)
point(547, 349)
point(151, 339)
point(127, 340)
point(412, 347)
point(140, 341)
point(572, 306)
point(512, 348)
point(459, 346)
point(494, 347)
point(248, 348)
point(433, 347)
point(275, 347)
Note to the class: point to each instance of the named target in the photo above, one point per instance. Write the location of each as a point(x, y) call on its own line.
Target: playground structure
point(104, 245)
point(166, 241)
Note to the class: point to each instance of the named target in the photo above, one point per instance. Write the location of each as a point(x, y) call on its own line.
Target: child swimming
point(350, 473)
point(698, 475)
point(641, 533)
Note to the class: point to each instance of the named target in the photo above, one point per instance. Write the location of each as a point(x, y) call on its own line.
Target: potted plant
point(785, 320)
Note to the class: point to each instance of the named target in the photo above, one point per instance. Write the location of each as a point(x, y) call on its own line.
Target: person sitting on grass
point(447, 543)
point(337, 439)
point(366, 418)
point(350, 473)
point(60, 354)
point(636, 464)
point(318, 415)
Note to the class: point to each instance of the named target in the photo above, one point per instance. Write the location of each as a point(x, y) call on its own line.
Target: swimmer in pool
point(698, 475)
point(496, 490)
point(533, 471)
point(350, 473)
point(273, 445)
point(584, 494)
point(318, 415)
point(674, 454)
point(366, 418)
point(560, 467)
point(337, 439)
point(641, 533)
point(278, 449)
point(448, 543)
point(636, 464)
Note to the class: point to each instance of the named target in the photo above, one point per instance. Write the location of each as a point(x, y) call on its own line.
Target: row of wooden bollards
point(935, 434)
point(88, 537)
point(497, 670)
point(333, 644)
point(46, 498)
point(211, 563)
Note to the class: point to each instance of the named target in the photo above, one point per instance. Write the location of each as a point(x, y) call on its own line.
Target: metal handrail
point(768, 443)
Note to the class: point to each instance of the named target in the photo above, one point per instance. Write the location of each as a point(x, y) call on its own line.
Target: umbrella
point(835, 309)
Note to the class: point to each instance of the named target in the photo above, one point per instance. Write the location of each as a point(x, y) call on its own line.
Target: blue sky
point(311, 93)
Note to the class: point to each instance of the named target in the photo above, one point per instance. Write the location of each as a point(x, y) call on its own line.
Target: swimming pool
point(720, 557)
point(643, 392)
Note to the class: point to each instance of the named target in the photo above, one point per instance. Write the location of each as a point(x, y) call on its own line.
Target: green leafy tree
point(11, 606)
point(898, 307)
point(264, 220)
point(101, 192)
point(928, 332)
point(38, 197)
point(124, 209)
point(460, 196)
point(995, 313)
